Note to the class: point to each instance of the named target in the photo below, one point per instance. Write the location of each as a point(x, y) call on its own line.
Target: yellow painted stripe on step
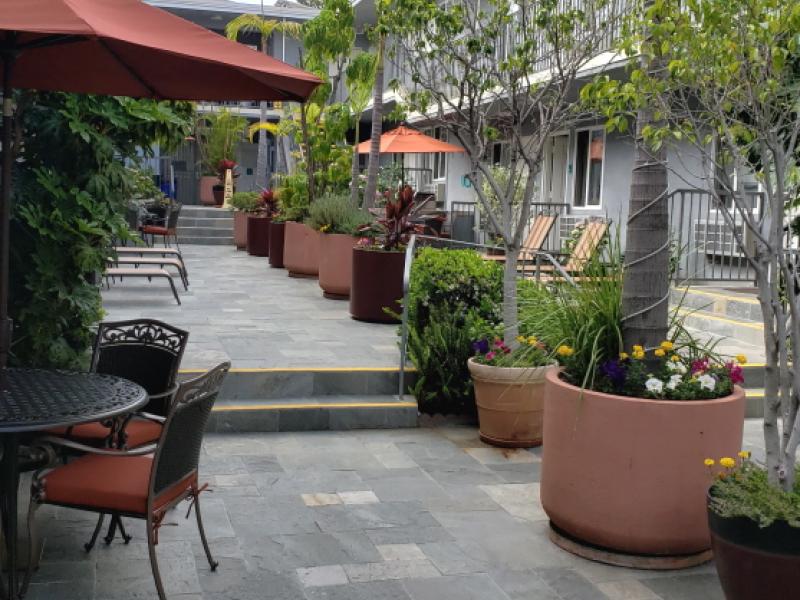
point(693, 313)
point(312, 405)
point(745, 300)
point(309, 369)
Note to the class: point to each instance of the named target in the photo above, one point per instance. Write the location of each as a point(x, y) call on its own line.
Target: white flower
point(674, 381)
point(676, 367)
point(707, 382)
point(654, 386)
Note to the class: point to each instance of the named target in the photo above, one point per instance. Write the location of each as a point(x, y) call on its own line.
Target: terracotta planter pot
point(206, 195)
point(240, 229)
point(377, 283)
point(301, 250)
point(627, 474)
point(258, 236)
point(510, 404)
point(336, 264)
point(218, 191)
point(755, 563)
point(276, 240)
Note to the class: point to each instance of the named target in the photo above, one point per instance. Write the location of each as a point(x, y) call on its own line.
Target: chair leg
point(174, 290)
point(90, 544)
point(151, 548)
point(124, 534)
point(211, 562)
point(32, 506)
point(112, 530)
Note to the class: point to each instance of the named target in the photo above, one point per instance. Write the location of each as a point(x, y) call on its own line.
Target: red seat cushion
point(139, 433)
point(114, 483)
point(156, 229)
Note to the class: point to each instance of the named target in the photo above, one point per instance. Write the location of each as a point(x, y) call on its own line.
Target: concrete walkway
point(422, 514)
point(239, 309)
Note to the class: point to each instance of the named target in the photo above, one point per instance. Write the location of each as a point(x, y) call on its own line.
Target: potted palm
point(509, 390)
point(216, 136)
point(338, 221)
point(379, 260)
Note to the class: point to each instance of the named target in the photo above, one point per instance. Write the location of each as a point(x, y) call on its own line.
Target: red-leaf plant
point(394, 228)
point(223, 166)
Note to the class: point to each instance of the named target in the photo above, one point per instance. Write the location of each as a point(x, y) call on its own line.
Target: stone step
point(205, 212)
point(222, 240)
point(207, 223)
point(731, 330)
point(320, 413)
point(300, 382)
point(738, 306)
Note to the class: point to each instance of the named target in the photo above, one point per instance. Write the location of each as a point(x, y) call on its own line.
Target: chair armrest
point(151, 417)
point(170, 392)
point(57, 441)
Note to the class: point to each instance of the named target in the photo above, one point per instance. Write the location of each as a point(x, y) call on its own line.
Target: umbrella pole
point(5, 205)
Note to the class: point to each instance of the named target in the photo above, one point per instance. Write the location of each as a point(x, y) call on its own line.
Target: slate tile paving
point(239, 309)
point(442, 525)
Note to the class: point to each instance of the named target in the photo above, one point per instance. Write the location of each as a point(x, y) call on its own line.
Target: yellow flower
point(532, 341)
point(727, 462)
point(674, 358)
point(709, 462)
point(638, 354)
point(659, 352)
point(741, 359)
point(623, 356)
point(521, 339)
point(638, 348)
point(667, 345)
point(744, 454)
point(565, 351)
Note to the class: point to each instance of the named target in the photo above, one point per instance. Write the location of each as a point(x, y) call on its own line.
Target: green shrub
point(335, 213)
point(454, 298)
point(246, 201)
point(292, 194)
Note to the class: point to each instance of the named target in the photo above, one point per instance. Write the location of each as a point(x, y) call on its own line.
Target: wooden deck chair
point(540, 228)
point(585, 248)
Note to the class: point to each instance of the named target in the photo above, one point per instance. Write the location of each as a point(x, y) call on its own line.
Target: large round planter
point(377, 284)
point(258, 236)
point(627, 474)
point(240, 229)
point(276, 241)
point(336, 264)
point(510, 403)
point(206, 195)
point(301, 250)
point(755, 563)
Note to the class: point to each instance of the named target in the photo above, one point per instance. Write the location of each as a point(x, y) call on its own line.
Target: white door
point(556, 170)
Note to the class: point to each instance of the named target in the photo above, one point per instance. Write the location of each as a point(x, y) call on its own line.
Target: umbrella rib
point(51, 40)
point(131, 72)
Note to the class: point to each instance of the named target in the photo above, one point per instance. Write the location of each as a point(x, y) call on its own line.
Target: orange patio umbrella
point(123, 48)
point(404, 140)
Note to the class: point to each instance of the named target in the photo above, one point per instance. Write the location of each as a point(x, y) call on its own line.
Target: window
point(436, 162)
point(589, 154)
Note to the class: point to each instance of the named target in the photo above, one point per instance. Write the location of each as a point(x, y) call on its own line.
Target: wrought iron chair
point(143, 483)
point(147, 352)
point(167, 230)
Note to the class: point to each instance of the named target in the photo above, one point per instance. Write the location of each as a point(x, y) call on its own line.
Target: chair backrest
point(178, 451)
point(146, 351)
point(586, 246)
point(174, 213)
point(540, 228)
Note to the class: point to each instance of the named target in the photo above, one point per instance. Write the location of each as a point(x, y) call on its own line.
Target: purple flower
point(615, 372)
point(481, 346)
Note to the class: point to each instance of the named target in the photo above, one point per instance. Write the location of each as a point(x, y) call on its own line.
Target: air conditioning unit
point(441, 196)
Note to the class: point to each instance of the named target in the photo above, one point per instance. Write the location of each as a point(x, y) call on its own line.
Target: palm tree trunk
point(263, 151)
point(645, 288)
point(354, 170)
point(377, 126)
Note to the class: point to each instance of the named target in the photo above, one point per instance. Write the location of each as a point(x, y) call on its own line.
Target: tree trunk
point(377, 126)
point(308, 158)
point(645, 289)
point(354, 169)
point(510, 317)
point(263, 151)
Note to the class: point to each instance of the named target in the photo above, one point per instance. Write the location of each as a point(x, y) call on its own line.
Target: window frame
point(586, 206)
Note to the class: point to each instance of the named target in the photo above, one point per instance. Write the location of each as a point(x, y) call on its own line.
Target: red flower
point(735, 372)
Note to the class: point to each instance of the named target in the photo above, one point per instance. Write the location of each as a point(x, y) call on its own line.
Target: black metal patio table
point(34, 400)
